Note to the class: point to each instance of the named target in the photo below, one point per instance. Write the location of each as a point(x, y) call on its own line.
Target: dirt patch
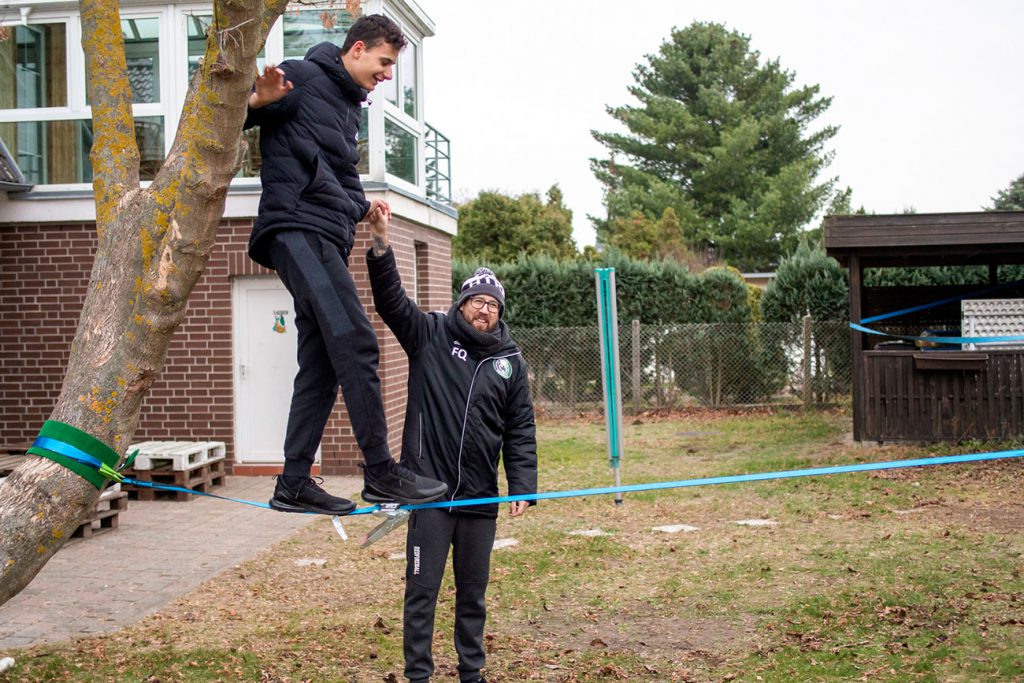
point(669, 638)
point(999, 519)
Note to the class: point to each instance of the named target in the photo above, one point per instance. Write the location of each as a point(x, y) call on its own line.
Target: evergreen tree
point(807, 282)
point(497, 227)
point(1010, 199)
point(723, 140)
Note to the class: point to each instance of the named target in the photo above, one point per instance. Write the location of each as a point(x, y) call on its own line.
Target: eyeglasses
point(478, 302)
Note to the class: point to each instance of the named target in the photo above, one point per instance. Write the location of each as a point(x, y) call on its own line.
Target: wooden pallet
point(112, 502)
point(8, 463)
point(11, 456)
point(200, 478)
point(175, 455)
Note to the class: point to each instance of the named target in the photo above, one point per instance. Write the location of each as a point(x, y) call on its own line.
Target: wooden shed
point(906, 390)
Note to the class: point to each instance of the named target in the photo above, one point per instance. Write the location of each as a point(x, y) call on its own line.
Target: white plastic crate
point(992, 318)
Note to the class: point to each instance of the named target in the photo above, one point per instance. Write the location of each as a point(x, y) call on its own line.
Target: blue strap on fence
point(933, 304)
point(923, 307)
point(940, 340)
point(654, 486)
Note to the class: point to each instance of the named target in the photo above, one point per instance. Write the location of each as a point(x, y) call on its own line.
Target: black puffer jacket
point(468, 403)
point(308, 144)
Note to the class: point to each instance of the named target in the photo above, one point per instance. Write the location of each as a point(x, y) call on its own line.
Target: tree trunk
point(152, 246)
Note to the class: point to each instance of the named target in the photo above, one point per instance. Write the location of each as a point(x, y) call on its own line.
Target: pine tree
point(724, 140)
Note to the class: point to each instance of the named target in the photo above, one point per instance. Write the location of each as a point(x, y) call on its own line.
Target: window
point(407, 68)
point(195, 37)
point(33, 76)
point(400, 151)
point(400, 91)
point(45, 110)
point(45, 117)
point(142, 52)
point(420, 274)
point(305, 28)
point(33, 66)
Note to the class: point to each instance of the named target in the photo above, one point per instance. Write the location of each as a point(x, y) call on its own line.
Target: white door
point(265, 367)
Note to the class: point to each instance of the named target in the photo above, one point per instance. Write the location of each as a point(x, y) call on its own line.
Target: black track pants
point(431, 532)
point(336, 345)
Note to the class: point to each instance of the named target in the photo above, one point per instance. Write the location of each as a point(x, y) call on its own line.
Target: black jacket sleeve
point(400, 313)
point(284, 108)
point(519, 442)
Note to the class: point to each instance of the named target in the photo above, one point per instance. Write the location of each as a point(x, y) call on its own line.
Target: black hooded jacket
point(308, 144)
point(469, 398)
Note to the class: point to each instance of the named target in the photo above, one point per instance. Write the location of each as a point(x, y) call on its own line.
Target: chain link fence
point(676, 366)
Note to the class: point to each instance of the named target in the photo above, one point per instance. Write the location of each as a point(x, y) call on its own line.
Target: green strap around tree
point(58, 431)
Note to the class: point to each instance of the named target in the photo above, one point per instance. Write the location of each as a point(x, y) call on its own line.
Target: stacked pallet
point(7, 464)
point(112, 502)
point(195, 465)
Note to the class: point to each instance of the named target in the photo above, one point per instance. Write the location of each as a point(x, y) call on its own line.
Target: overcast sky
point(929, 96)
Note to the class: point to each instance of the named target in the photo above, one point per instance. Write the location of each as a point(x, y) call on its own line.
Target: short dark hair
point(374, 29)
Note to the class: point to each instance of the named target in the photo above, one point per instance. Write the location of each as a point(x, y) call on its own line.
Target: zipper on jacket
point(465, 417)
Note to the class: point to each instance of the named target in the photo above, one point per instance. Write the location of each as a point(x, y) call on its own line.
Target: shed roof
point(927, 239)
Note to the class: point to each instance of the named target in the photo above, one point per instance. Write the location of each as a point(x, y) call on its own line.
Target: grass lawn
point(898, 575)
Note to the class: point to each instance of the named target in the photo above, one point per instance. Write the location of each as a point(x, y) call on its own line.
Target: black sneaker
point(401, 485)
point(307, 496)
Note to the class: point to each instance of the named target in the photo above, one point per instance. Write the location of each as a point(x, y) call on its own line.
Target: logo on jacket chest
point(460, 352)
point(503, 367)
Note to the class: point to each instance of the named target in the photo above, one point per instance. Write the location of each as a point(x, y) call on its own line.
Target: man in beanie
point(469, 406)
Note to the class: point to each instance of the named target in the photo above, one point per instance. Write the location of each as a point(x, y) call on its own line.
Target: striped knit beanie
point(483, 281)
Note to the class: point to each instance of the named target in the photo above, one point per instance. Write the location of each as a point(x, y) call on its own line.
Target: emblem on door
point(279, 322)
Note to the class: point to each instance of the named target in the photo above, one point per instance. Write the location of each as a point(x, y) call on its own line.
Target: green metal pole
point(608, 327)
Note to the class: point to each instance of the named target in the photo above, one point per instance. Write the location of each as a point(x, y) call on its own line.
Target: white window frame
point(173, 80)
point(395, 112)
point(77, 109)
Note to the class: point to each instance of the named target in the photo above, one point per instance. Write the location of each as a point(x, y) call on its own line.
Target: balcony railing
point(438, 166)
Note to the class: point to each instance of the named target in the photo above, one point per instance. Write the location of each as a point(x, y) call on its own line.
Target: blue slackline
point(74, 453)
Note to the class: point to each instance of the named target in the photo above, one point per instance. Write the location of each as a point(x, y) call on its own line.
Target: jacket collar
point(328, 57)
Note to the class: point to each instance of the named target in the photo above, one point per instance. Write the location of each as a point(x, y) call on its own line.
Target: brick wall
point(44, 270)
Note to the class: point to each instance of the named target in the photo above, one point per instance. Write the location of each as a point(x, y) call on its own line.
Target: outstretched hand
point(270, 87)
point(379, 216)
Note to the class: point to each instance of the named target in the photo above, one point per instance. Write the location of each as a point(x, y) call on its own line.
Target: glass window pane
point(399, 151)
point(47, 152)
point(142, 52)
point(390, 88)
point(195, 26)
point(252, 160)
point(33, 66)
point(407, 65)
point(149, 135)
point(305, 28)
point(363, 143)
point(57, 152)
